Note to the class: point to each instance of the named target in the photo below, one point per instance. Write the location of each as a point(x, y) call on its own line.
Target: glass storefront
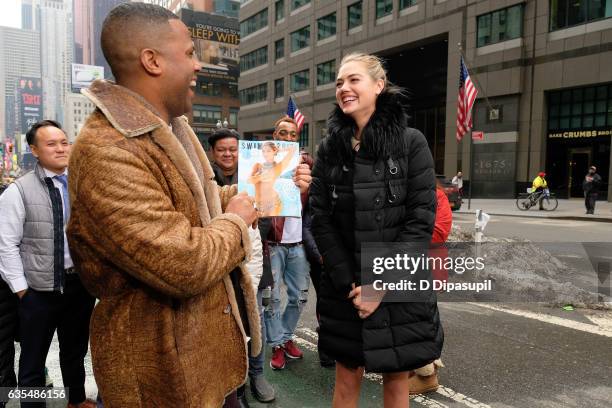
point(579, 132)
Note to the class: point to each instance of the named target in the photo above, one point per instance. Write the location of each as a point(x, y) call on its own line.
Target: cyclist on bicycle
point(538, 186)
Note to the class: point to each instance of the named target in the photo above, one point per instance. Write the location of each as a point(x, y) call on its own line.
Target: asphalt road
point(540, 229)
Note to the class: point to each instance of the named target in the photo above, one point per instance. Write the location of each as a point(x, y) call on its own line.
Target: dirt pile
point(523, 271)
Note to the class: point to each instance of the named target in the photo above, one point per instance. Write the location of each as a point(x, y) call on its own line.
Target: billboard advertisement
point(83, 75)
point(29, 95)
point(216, 39)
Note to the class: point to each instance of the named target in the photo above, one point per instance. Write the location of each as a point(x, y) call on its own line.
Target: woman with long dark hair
point(373, 181)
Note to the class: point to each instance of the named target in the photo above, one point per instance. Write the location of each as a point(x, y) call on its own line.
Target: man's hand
point(302, 177)
point(21, 293)
point(243, 206)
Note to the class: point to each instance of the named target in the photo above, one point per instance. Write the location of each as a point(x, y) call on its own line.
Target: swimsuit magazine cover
point(265, 171)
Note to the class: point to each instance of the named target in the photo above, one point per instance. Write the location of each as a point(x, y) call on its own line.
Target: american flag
point(294, 113)
point(465, 102)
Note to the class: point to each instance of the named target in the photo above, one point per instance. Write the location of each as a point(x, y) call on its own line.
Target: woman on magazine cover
point(267, 200)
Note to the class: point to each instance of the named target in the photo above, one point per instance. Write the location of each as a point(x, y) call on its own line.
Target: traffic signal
point(10, 148)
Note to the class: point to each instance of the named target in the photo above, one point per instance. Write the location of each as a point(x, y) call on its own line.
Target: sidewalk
point(567, 210)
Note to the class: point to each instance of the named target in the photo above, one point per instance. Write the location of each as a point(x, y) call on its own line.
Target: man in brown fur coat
point(148, 232)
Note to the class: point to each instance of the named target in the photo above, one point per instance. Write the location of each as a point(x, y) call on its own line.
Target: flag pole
point(475, 80)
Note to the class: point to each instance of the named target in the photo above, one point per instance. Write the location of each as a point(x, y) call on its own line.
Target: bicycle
point(527, 200)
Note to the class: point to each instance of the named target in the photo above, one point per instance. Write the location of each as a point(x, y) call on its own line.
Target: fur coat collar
point(382, 138)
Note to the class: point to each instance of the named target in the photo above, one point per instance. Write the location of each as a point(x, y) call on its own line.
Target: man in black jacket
point(9, 305)
point(590, 185)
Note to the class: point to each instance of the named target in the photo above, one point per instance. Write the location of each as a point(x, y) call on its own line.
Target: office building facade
point(19, 57)
point(542, 68)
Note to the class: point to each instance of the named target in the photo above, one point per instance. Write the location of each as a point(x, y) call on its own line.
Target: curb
point(549, 217)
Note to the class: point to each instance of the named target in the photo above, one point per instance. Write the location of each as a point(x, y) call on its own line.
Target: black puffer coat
point(385, 192)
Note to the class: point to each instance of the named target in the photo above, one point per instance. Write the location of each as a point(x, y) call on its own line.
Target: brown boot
point(422, 384)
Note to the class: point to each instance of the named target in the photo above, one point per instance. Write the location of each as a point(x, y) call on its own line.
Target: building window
point(208, 88)
point(383, 8)
point(326, 26)
point(355, 15)
point(279, 88)
point(296, 4)
point(406, 3)
point(279, 9)
point(299, 81)
point(304, 135)
point(229, 8)
point(500, 25)
point(254, 94)
point(233, 116)
point(300, 39)
point(582, 108)
point(279, 48)
point(567, 13)
point(206, 114)
point(326, 72)
point(254, 59)
point(233, 90)
point(254, 23)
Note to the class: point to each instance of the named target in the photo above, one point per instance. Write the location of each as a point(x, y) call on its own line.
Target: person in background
point(37, 264)
point(590, 186)
point(9, 318)
point(224, 147)
point(315, 260)
point(539, 185)
point(426, 378)
point(289, 265)
point(458, 181)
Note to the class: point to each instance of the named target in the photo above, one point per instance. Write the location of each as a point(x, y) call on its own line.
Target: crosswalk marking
point(600, 326)
point(421, 399)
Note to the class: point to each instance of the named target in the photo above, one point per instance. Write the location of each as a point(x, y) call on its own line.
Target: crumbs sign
point(580, 134)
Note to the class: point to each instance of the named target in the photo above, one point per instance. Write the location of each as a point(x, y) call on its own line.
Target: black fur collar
point(383, 136)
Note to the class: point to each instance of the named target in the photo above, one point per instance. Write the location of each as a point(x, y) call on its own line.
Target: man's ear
point(150, 61)
point(34, 150)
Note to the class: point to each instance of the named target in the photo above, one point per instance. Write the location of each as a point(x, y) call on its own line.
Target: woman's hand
point(364, 309)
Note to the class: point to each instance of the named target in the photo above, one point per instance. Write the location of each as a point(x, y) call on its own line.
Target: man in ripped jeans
point(289, 263)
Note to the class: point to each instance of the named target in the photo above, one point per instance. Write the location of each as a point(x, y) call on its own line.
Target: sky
point(11, 13)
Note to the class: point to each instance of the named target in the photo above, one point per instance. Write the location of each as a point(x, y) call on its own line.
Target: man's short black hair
point(31, 135)
point(222, 134)
point(126, 22)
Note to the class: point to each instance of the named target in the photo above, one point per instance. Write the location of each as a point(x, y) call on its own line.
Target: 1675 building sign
point(579, 134)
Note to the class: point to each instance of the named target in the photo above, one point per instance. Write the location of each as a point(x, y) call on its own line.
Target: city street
point(120, 119)
point(511, 355)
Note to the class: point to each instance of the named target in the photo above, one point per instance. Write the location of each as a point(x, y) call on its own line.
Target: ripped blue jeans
point(290, 265)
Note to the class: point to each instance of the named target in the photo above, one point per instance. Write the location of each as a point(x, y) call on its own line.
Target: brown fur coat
point(149, 238)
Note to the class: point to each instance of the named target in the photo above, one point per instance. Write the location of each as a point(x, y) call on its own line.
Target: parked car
point(452, 192)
